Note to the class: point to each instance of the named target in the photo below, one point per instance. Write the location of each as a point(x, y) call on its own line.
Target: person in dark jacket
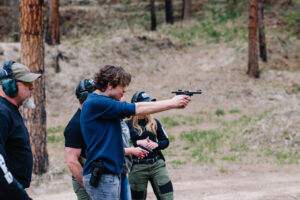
point(147, 131)
point(16, 160)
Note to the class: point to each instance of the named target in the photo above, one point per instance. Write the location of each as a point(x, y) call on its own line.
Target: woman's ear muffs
point(9, 85)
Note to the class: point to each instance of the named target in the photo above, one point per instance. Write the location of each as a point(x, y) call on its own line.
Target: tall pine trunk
point(169, 11)
point(52, 33)
point(32, 55)
point(253, 58)
point(186, 9)
point(153, 16)
point(261, 28)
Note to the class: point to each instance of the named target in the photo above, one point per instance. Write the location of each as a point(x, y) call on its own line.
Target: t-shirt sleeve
point(73, 136)
point(162, 137)
point(108, 109)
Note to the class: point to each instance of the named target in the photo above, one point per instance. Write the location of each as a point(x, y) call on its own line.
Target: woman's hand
point(139, 152)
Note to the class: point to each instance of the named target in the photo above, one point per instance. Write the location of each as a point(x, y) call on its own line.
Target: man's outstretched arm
point(145, 108)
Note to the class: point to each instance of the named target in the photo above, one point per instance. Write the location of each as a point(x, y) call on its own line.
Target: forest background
point(238, 140)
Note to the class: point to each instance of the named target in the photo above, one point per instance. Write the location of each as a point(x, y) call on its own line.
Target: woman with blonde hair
point(147, 132)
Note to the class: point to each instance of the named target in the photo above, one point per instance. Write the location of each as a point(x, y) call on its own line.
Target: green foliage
point(56, 129)
point(234, 111)
point(203, 143)
point(169, 122)
point(298, 88)
point(223, 170)
point(177, 163)
point(55, 138)
point(292, 17)
point(220, 112)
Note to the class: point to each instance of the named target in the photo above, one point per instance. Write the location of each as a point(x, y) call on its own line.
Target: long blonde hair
point(150, 126)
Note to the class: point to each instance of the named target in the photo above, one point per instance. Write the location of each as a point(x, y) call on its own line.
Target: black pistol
point(187, 92)
point(145, 148)
point(96, 172)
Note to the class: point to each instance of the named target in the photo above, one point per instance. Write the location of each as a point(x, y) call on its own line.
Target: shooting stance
point(100, 124)
point(16, 160)
point(147, 131)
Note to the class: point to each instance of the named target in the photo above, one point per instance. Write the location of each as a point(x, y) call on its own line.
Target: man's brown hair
point(113, 75)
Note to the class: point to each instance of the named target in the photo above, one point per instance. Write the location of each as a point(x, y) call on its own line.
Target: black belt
point(146, 161)
point(106, 171)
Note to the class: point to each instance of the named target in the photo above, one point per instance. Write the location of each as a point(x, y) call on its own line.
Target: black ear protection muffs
point(9, 85)
point(85, 87)
point(135, 97)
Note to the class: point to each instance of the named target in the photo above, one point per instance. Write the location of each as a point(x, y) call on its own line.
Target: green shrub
point(220, 112)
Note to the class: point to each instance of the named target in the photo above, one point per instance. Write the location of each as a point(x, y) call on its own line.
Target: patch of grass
point(220, 112)
point(232, 111)
point(231, 158)
point(298, 88)
point(171, 138)
point(223, 170)
point(56, 129)
point(54, 115)
point(55, 138)
point(169, 122)
point(204, 143)
point(177, 163)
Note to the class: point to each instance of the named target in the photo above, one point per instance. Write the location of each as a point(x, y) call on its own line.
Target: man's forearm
point(76, 170)
point(146, 108)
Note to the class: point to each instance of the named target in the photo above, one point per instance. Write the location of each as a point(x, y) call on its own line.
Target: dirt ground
point(218, 70)
point(194, 182)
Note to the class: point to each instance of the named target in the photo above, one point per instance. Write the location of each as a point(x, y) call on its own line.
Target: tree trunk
point(32, 55)
point(153, 16)
point(186, 9)
point(261, 28)
point(52, 33)
point(169, 11)
point(253, 58)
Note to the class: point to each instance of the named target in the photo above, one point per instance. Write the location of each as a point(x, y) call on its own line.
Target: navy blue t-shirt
point(101, 130)
point(73, 135)
point(16, 159)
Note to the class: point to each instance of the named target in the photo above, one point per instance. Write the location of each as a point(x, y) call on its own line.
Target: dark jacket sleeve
point(9, 186)
point(162, 137)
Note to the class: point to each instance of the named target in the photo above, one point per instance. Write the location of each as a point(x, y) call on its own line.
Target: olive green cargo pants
point(158, 176)
point(79, 190)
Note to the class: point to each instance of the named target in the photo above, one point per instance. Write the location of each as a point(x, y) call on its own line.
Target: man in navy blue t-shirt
point(100, 124)
point(16, 159)
point(74, 144)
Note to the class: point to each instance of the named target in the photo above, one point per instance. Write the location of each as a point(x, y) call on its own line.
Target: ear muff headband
point(135, 97)
point(9, 85)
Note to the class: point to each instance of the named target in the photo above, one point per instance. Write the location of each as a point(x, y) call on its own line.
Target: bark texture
point(186, 9)
point(253, 69)
point(32, 55)
point(153, 15)
point(169, 11)
point(52, 34)
point(261, 28)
